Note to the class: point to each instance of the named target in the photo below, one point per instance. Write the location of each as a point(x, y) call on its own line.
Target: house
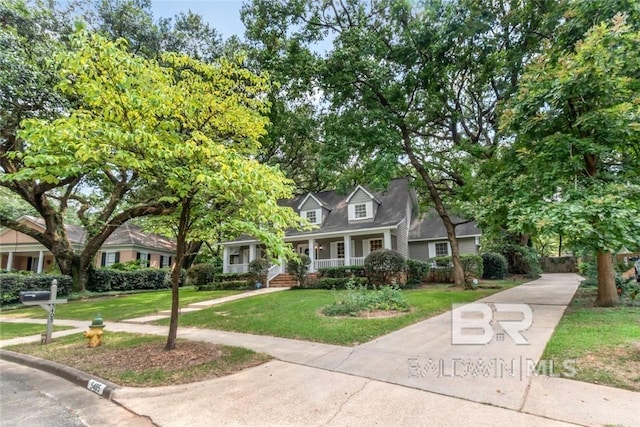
point(21, 252)
point(351, 225)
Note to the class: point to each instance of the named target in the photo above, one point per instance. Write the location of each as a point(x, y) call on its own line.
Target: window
point(340, 250)
point(311, 216)
point(165, 261)
point(360, 211)
point(442, 249)
point(144, 258)
point(314, 216)
point(110, 258)
point(375, 245)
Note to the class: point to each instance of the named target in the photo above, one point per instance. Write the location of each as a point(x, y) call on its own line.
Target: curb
point(92, 383)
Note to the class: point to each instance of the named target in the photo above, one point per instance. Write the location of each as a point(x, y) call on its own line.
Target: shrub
point(338, 282)
point(494, 266)
point(342, 272)
point(105, 279)
point(384, 266)
point(220, 286)
point(259, 268)
point(201, 274)
point(231, 277)
point(357, 299)
point(416, 271)
point(472, 265)
point(11, 284)
point(299, 268)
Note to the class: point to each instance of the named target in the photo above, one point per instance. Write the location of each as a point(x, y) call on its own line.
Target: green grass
point(601, 340)
point(166, 368)
point(296, 314)
point(116, 308)
point(13, 330)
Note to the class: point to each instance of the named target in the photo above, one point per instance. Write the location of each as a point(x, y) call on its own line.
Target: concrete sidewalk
point(419, 375)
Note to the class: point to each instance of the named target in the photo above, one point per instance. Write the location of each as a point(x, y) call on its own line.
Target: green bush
point(471, 264)
point(416, 271)
point(342, 272)
point(259, 268)
point(105, 279)
point(231, 277)
point(299, 268)
point(384, 267)
point(224, 286)
point(494, 266)
point(357, 299)
point(338, 282)
point(201, 274)
point(11, 284)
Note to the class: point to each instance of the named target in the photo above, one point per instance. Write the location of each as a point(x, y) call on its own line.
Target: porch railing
point(337, 262)
point(238, 268)
point(274, 270)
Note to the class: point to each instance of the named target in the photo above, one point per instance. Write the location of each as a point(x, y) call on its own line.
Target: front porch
point(324, 252)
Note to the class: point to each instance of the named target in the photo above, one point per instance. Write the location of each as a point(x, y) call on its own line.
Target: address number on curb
point(96, 387)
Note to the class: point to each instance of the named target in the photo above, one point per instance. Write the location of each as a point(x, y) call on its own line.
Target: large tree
point(574, 167)
point(414, 85)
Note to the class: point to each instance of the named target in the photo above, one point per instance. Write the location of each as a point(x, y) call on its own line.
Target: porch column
point(347, 250)
point(40, 261)
point(387, 239)
point(252, 252)
point(312, 255)
point(10, 261)
point(225, 259)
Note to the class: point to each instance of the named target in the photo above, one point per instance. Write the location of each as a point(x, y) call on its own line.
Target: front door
point(303, 248)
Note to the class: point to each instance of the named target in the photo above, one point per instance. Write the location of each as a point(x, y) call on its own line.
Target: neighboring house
point(21, 252)
point(349, 226)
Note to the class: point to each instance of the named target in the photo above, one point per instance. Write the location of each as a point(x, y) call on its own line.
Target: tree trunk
point(181, 244)
point(190, 253)
point(607, 292)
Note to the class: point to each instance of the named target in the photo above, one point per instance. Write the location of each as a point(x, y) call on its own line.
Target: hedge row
point(472, 264)
point(341, 272)
point(11, 284)
point(338, 282)
point(105, 279)
point(228, 285)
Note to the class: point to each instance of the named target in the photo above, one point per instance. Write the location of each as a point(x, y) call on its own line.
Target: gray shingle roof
point(391, 211)
point(127, 234)
point(430, 226)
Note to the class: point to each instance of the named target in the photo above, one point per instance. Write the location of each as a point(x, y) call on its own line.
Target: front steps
point(283, 281)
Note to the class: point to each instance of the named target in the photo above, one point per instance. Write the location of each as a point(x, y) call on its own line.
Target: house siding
point(467, 246)
point(310, 204)
point(360, 197)
point(419, 250)
point(402, 245)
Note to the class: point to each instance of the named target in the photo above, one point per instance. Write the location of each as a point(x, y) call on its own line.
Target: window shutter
point(369, 208)
point(117, 257)
point(149, 257)
point(103, 261)
point(352, 211)
point(161, 261)
point(170, 263)
point(137, 255)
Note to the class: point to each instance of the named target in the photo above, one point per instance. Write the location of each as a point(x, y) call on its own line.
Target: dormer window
point(314, 216)
point(360, 211)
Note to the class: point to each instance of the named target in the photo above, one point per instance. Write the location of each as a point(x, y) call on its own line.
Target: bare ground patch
point(619, 366)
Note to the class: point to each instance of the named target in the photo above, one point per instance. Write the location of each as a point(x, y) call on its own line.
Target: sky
point(223, 15)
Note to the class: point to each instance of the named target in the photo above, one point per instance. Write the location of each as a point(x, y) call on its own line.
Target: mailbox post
point(47, 300)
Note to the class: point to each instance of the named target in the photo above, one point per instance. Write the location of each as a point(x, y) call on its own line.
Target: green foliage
point(384, 267)
point(225, 286)
point(339, 282)
point(201, 274)
point(105, 280)
point(416, 271)
point(341, 272)
point(226, 277)
point(356, 299)
point(132, 265)
point(12, 284)
point(299, 268)
point(471, 263)
point(494, 266)
point(258, 269)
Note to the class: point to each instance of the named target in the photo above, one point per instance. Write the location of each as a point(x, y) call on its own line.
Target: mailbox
point(27, 296)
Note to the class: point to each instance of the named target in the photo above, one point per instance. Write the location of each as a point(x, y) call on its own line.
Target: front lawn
point(141, 360)
point(116, 308)
point(297, 314)
point(603, 343)
point(12, 330)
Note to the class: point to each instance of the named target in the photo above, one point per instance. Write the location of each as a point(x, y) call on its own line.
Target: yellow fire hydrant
point(94, 334)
